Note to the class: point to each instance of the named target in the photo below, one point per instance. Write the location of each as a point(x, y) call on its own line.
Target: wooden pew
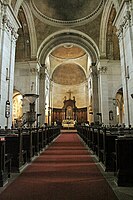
point(28, 146)
point(100, 146)
point(51, 133)
point(90, 138)
point(94, 140)
point(109, 150)
point(5, 164)
point(35, 141)
point(124, 160)
point(86, 133)
point(106, 144)
point(38, 139)
point(41, 139)
point(79, 131)
point(14, 148)
point(101, 142)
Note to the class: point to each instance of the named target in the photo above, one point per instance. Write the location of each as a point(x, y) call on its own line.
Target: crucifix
point(69, 92)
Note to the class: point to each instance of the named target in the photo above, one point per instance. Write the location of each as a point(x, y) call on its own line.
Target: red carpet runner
point(65, 171)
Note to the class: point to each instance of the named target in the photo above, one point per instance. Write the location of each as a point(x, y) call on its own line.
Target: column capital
point(125, 23)
point(123, 18)
point(103, 70)
point(9, 20)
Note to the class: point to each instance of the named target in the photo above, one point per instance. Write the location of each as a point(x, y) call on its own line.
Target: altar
point(69, 113)
point(68, 123)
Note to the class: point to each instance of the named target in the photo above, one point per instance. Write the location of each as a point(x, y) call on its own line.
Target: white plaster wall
point(124, 26)
point(109, 83)
point(60, 91)
point(26, 80)
point(54, 62)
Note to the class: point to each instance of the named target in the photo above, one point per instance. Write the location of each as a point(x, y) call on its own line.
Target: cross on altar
point(69, 92)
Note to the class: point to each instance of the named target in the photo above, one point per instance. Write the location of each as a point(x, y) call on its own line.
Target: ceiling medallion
point(66, 12)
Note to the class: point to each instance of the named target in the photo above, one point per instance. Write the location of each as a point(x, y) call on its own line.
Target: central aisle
point(65, 171)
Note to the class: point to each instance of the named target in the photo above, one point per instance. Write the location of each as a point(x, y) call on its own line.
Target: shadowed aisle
point(65, 171)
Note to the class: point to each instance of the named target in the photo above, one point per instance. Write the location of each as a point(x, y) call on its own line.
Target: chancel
point(66, 99)
point(69, 113)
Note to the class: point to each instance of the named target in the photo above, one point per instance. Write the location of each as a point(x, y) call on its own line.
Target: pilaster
point(42, 76)
point(8, 35)
point(103, 88)
point(124, 24)
point(95, 105)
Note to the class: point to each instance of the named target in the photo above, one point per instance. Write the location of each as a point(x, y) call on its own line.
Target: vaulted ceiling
point(66, 10)
point(68, 51)
point(51, 16)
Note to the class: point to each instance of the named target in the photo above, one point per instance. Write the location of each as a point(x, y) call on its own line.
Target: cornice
point(123, 18)
point(8, 20)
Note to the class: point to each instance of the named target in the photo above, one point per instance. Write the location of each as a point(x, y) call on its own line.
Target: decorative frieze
point(9, 27)
point(8, 21)
point(124, 24)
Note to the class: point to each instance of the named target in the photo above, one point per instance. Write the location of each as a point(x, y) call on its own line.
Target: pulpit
point(31, 115)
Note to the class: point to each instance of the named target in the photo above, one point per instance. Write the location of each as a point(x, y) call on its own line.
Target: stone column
point(103, 88)
point(50, 102)
point(87, 97)
point(42, 95)
point(47, 96)
point(95, 100)
point(8, 35)
point(34, 68)
point(124, 26)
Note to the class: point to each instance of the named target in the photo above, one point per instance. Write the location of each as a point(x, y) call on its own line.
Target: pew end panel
point(28, 144)
point(15, 151)
point(4, 164)
point(124, 161)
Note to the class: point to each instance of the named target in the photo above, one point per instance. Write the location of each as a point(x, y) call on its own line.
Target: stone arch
point(31, 25)
point(17, 6)
point(67, 62)
point(17, 112)
point(70, 36)
point(104, 23)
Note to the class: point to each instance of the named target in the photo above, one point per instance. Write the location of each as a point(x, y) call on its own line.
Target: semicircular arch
point(68, 36)
point(104, 23)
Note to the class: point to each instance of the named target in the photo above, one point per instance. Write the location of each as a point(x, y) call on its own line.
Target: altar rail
point(109, 145)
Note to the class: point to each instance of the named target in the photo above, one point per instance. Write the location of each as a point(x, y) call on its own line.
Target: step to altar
point(68, 131)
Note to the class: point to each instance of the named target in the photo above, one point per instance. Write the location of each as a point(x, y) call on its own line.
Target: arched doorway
point(119, 103)
point(17, 112)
